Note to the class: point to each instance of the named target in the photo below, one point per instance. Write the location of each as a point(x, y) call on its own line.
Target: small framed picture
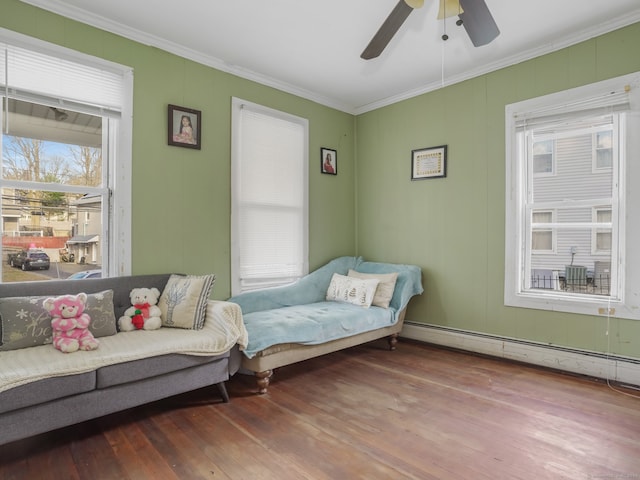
point(184, 127)
point(429, 163)
point(328, 161)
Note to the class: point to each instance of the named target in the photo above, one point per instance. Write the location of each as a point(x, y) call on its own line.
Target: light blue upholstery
point(298, 313)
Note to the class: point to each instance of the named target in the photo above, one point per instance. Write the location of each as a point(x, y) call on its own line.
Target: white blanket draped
point(223, 328)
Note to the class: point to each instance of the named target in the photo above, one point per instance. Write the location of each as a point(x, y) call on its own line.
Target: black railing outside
point(593, 285)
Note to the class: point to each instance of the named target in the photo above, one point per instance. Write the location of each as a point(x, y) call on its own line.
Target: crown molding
point(557, 44)
point(110, 26)
point(102, 23)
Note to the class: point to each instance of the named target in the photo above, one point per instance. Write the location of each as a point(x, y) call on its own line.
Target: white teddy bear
point(144, 314)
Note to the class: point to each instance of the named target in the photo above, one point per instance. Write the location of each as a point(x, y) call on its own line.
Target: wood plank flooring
point(421, 412)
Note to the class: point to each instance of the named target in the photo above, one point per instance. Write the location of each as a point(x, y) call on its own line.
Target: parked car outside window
point(85, 274)
point(30, 260)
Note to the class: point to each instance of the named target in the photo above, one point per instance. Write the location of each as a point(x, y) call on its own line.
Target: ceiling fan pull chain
point(442, 66)
point(445, 37)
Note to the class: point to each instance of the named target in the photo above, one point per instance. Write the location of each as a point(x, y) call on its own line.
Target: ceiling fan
point(474, 15)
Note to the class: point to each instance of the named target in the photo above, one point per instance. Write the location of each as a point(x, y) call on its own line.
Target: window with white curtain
point(571, 223)
point(66, 156)
point(269, 188)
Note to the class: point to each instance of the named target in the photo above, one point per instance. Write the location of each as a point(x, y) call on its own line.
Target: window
point(543, 157)
point(269, 191)
point(601, 241)
point(542, 238)
point(603, 150)
point(66, 133)
point(569, 226)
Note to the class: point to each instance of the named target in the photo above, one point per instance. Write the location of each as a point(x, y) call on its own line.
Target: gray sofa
point(50, 403)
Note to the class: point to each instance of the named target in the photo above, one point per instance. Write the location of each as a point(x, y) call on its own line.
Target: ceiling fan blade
point(388, 29)
point(478, 22)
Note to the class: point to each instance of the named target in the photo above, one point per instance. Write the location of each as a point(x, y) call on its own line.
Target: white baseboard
point(611, 367)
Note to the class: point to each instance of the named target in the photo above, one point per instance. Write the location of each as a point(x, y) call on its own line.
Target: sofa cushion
point(150, 367)
point(46, 390)
point(356, 291)
point(384, 291)
point(311, 324)
point(25, 323)
point(183, 301)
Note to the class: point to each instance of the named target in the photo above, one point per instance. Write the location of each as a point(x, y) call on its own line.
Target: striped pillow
point(183, 302)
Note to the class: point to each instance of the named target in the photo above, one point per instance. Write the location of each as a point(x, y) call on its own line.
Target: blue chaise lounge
point(296, 322)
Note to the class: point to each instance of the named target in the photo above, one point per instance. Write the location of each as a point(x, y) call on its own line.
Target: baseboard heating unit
point(619, 369)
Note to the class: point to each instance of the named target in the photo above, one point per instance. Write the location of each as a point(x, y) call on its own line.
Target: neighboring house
point(10, 221)
point(23, 226)
point(85, 241)
point(572, 184)
point(20, 218)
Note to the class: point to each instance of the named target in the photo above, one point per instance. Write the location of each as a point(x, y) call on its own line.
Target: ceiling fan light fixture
point(449, 8)
point(59, 115)
point(414, 3)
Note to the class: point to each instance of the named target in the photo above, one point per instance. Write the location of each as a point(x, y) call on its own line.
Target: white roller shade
point(270, 199)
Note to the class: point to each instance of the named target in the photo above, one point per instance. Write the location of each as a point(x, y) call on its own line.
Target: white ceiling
point(312, 48)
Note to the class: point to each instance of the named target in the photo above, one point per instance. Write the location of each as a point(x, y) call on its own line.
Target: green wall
point(454, 228)
point(181, 197)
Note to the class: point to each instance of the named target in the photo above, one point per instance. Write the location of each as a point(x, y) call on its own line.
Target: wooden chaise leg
point(262, 379)
point(393, 341)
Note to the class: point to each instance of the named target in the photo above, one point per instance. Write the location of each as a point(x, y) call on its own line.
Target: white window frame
point(238, 285)
point(117, 141)
point(624, 304)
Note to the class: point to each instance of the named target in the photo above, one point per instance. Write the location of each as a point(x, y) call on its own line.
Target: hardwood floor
point(421, 412)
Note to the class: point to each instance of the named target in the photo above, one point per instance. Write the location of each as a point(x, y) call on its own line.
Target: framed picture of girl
point(328, 161)
point(184, 127)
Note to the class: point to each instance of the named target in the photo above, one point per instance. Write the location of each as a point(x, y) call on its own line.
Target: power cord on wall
point(612, 387)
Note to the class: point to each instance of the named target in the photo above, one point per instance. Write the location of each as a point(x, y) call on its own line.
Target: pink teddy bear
point(69, 324)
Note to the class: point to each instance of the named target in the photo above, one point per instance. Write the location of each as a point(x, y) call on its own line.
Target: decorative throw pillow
point(385, 289)
point(183, 302)
point(352, 290)
point(26, 323)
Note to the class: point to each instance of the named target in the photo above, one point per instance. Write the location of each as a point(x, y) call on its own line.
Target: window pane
point(542, 240)
point(50, 145)
point(62, 150)
point(543, 157)
point(604, 149)
point(603, 241)
point(542, 217)
point(604, 158)
point(603, 216)
point(603, 236)
point(63, 228)
point(572, 190)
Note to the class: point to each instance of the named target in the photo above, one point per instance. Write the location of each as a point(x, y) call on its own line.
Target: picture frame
point(185, 127)
point(328, 161)
point(429, 162)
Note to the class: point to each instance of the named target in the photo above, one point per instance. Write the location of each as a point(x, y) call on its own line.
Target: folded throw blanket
point(223, 328)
